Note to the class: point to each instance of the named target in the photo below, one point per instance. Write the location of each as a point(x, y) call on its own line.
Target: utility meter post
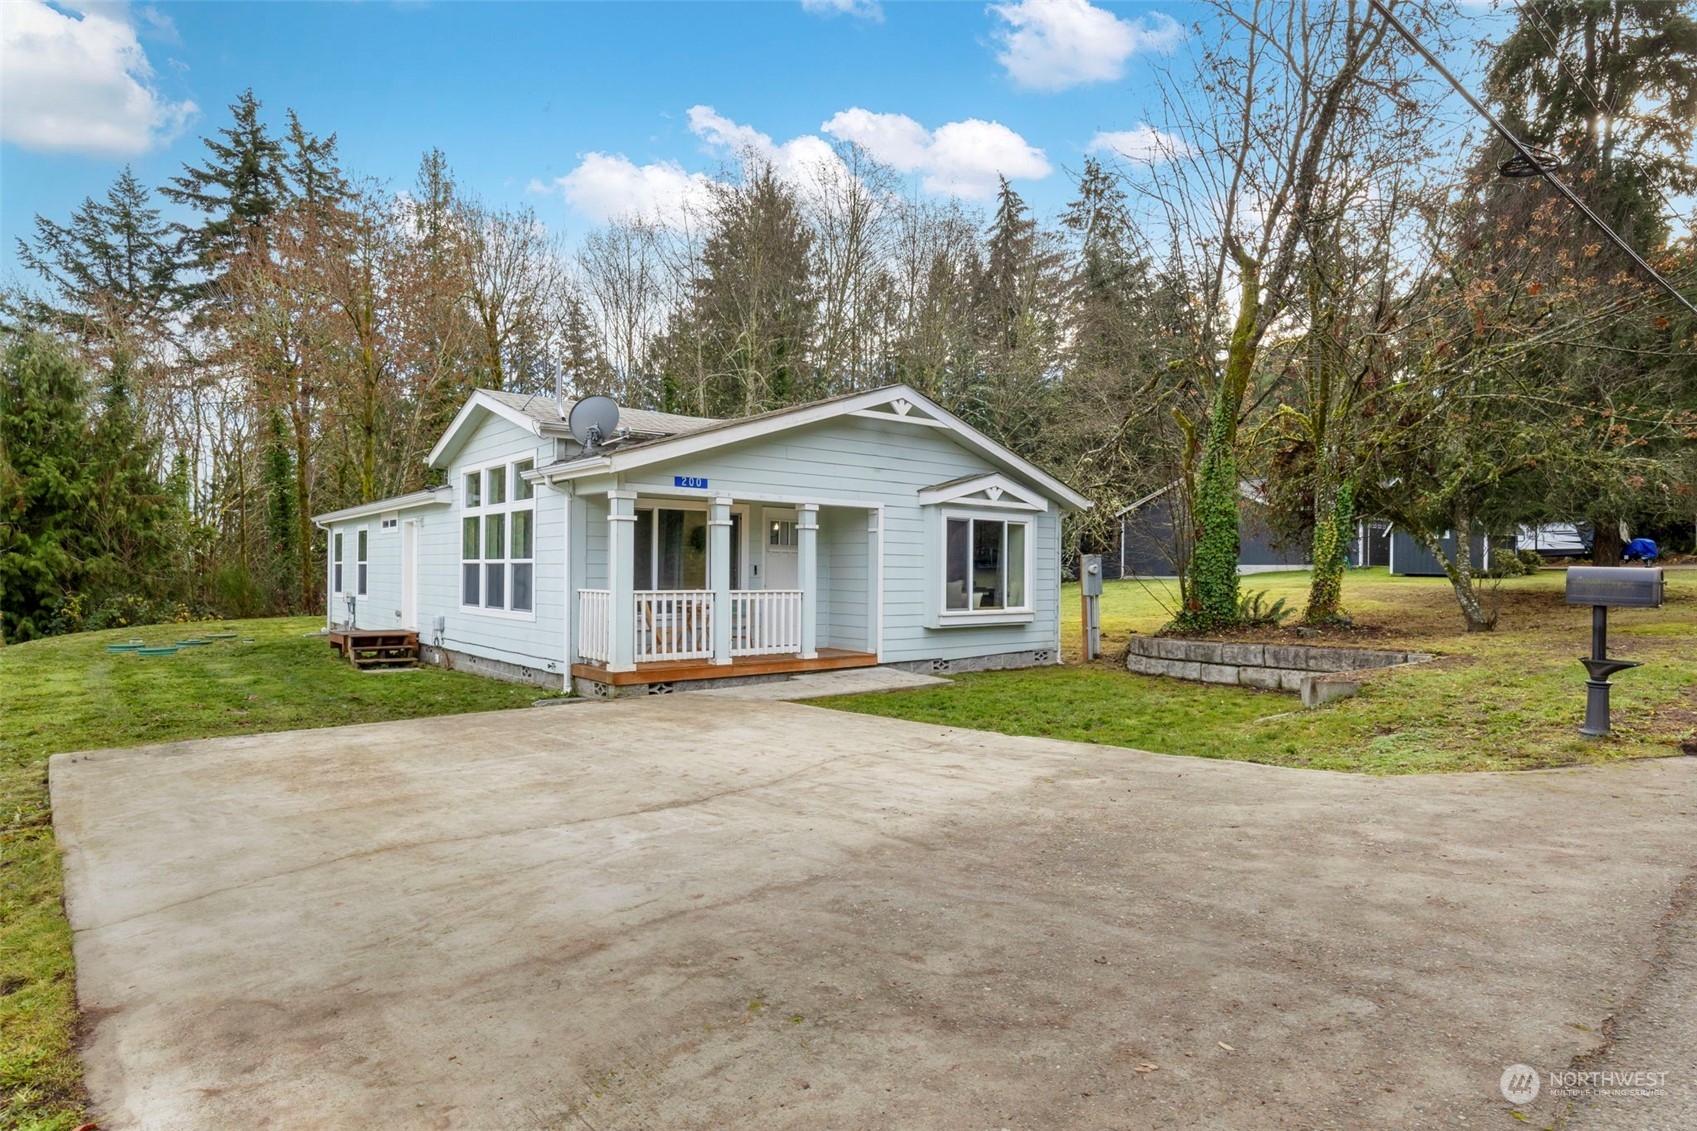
point(1090, 591)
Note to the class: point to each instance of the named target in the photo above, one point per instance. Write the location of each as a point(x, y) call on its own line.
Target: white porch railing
point(673, 624)
point(765, 622)
point(595, 624)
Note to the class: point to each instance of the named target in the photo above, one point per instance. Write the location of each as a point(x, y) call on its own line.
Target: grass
point(1509, 699)
point(69, 693)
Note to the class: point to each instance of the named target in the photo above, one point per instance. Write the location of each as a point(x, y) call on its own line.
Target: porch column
point(719, 575)
point(621, 578)
point(807, 576)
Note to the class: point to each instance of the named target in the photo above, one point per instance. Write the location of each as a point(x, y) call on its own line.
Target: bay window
point(498, 539)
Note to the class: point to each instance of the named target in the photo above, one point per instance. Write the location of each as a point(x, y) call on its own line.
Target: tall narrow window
point(336, 559)
point(523, 550)
point(522, 488)
point(471, 558)
point(473, 489)
point(494, 561)
point(364, 540)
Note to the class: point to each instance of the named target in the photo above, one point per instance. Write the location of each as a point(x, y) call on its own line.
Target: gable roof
point(541, 416)
point(900, 401)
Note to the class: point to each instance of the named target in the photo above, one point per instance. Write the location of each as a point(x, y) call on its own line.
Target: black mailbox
point(1631, 587)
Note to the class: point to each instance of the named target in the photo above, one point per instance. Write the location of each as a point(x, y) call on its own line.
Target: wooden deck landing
point(376, 648)
point(677, 671)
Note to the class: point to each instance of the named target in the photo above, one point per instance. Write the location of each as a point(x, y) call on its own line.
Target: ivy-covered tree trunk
point(1213, 559)
point(1334, 513)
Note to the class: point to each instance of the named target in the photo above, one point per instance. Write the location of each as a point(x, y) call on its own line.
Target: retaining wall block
point(1265, 678)
point(1255, 655)
point(1219, 673)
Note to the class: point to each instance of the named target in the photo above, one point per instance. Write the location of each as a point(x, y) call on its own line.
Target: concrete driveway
point(703, 912)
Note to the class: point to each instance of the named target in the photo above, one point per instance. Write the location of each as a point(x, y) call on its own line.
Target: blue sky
point(579, 109)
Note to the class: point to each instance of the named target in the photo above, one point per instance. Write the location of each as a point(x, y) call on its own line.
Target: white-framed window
point(781, 533)
point(389, 522)
point(336, 563)
point(672, 545)
point(986, 566)
point(362, 557)
point(498, 539)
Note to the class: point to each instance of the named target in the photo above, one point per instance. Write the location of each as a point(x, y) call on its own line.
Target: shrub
point(1252, 610)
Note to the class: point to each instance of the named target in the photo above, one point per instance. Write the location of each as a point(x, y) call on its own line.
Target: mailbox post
point(1601, 587)
point(1090, 592)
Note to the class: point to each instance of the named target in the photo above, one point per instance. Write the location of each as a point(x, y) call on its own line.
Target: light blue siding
point(879, 549)
point(852, 459)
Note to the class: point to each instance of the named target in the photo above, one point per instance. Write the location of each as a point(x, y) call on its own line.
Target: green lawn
point(69, 693)
point(1510, 699)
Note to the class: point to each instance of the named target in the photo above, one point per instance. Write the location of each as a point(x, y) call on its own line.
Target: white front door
point(409, 574)
point(781, 569)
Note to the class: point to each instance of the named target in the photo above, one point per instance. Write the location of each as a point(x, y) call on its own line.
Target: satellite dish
point(593, 419)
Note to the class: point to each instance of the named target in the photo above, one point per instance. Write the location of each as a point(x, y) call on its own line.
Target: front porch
point(687, 594)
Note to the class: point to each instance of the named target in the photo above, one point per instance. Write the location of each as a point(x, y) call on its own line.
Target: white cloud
point(801, 160)
point(1143, 143)
point(79, 83)
point(963, 158)
point(862, 9)
point(1056, 44)
point(607, 186)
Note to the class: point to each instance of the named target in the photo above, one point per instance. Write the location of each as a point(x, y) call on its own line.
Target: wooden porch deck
point(376, 648)
point(677, 671)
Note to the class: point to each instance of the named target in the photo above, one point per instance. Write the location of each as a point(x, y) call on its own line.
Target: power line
point(1532, 159)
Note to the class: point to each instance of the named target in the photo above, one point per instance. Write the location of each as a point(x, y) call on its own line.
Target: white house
point(873, 528)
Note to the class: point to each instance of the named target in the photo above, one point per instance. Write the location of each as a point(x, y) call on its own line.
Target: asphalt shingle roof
point(639, 420)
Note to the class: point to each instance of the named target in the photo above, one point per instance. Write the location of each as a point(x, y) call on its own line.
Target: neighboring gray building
point(1152, 546)
point(1409, 559)
point(871, 528)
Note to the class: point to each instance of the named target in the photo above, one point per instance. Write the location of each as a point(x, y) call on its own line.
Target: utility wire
point(1532, 159)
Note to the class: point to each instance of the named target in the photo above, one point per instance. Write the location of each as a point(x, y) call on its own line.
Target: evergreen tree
point(1015, 301)
point(110, 273)
point(132, 520)
point(753, 298)
point(242, 183)
point(45, 487)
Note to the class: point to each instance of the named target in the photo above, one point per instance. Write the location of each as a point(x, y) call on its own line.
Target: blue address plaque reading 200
point(689, 481)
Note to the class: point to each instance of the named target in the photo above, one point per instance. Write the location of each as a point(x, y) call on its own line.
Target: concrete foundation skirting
point(1000, 661)
point(1319, 675)
point(594, 689)
point(494, 669)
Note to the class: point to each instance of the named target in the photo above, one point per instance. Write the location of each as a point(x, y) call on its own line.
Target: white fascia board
point(1022, 498)
point(692, 442)
point(425, 498)
point(464, 421)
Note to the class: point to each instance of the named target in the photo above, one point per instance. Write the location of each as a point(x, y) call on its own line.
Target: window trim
point(483, 509)
point(336, 560)
point(954, 618)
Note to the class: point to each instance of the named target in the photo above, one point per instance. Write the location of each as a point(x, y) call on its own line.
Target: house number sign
point(689, 481)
